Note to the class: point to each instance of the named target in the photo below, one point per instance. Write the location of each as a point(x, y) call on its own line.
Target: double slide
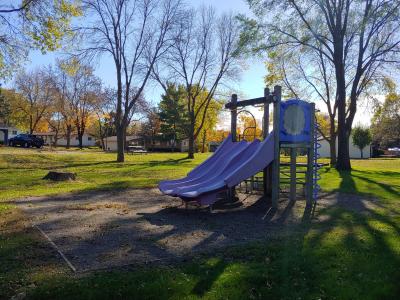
point(230, 164)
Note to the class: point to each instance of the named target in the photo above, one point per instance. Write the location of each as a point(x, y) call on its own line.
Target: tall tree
point(32, 24)
point(209, 123)
point(173, 114)
point(37, 92)
point(202, 56)
point(309, 75)
point(359, 38)
point(385, 127)
point(5, 108)
point(12, 115)
point(361, 138)
point(152, 126)
point(135, 33)
point(63, 99)
point(82, 92)
point(249, 127)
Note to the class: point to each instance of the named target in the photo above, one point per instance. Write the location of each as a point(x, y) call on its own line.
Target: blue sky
point(251, 83)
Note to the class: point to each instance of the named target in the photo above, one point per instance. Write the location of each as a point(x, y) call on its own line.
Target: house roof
point(44, 133)
point(50, 133)
point(2, 126)
point(128, 138)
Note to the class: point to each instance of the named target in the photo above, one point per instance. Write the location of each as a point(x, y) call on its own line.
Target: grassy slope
point(21, 171)
point(348, 256)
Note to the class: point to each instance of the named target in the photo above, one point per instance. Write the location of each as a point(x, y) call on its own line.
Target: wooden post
point(231, 192)
point(276, 162)
point(266, 113)
point(234, 117)
point(267, 173)
point(310, 159)
point(293, 179)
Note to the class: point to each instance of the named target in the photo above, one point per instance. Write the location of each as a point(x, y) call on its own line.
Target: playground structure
point(294, 129)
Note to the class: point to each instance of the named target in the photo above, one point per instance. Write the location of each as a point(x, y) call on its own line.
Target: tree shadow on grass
point(347, 183)
point(167, 162)
point(345, 256)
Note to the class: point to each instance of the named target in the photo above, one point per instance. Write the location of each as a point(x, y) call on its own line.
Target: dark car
point(26, 140)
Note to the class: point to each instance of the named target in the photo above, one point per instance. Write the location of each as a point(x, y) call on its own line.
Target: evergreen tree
point(173, 113)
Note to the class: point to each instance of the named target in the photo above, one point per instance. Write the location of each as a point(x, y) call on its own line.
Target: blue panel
point(296, 127)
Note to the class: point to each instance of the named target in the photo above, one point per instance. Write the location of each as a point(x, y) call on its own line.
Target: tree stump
point(60, 176)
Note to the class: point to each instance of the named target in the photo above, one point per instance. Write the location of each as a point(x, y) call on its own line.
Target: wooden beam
point(267, 172)
point(234, 117)
point(248, 102)
point(231, 192)
point(310, 159)
point(293, 153)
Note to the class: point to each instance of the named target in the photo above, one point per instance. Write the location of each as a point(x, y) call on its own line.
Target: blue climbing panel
point(295, 121)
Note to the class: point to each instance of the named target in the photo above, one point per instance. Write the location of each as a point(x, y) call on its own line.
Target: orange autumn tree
point(248, 129)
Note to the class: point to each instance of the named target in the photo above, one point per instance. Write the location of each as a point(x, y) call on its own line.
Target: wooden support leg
point(293, 174)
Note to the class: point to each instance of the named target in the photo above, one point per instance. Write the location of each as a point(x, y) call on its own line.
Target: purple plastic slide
point(230, 164)
point(214, 170)
point(226, 145)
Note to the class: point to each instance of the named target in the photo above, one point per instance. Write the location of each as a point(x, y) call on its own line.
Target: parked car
point(26, 140)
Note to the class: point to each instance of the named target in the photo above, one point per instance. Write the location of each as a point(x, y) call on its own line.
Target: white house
point(110, 143)
point(7, 132)
point(153, 144)
point(87, 140)
point(354, 151)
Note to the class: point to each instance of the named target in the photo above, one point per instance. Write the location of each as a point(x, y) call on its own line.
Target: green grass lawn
point(347, 256)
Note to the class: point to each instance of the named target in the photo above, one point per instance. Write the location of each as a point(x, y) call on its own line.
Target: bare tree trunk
point(55, 139)
point(80, 140)
point(120, 144)
point(362, 154)
point(30, 125)
point(191, 147)
point(68, 136)
point(343, 160)
point(191, 141)
point(204, 141)
point(101, 134)
point(332, 147)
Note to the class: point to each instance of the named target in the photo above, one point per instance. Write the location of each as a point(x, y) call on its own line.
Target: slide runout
point(221, 148)
point(203, 167)
point(242, 169)
point(228, 150)
point(214, 176)
point(214, 169)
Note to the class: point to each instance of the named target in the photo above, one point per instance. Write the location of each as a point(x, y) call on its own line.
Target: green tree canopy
point(10, 113)
point(5, 109)
point(173, 112)
point(385, 126)
point(33, 24)
point(361, 138)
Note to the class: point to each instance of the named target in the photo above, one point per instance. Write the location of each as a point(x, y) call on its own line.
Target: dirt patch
point(106, 229)
point(122, 207)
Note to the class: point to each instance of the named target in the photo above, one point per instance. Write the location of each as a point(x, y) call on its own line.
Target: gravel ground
point(99, 230)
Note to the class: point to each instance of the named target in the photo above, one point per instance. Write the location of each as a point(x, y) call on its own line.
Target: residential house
point(88, 140)
point(7, 132)
point(354, 151)
point(156, 143)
